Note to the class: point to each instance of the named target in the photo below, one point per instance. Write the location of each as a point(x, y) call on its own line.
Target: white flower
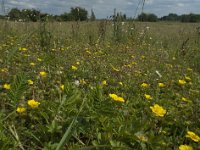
point(76, 82)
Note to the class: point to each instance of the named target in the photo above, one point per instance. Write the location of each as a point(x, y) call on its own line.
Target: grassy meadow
point(99, 85)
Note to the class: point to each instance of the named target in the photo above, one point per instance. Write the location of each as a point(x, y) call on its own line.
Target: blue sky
point(104, 8)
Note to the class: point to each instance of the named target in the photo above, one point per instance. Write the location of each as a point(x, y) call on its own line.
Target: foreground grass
point(89, 90)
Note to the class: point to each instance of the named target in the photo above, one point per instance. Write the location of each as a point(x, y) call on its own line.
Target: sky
point(104, 8)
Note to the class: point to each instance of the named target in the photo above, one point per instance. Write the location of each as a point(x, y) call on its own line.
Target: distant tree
point(190, 18)
point(79, 13)
point(15, 14)
point(66, 17)
point(92, 17)
point(147, 17)
point(170, 17)
point(152, 18)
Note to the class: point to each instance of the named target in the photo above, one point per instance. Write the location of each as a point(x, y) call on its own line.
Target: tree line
point(75, 14)
point(171, 17)
point(81, 14)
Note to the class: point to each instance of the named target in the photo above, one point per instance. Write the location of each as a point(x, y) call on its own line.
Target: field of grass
point(99, 85)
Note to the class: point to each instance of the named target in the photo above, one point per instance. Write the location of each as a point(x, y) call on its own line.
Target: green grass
point(82, 115)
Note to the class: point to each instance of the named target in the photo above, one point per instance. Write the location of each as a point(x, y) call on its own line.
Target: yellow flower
point(43, 74)
point(4, 70)
point(161, 85)
point(158, 110)
point(33, 103)
point(6, 86)
point(116, 98)
point(144, 85)
point(30, 82)
point(193, 136)
point(82, 81)
point(181, 82)
point(185, 147)
point(78, 63)
point(142, 56)
point(148, 97)
point(120, 83)
point(104, 82)
point(21, 109)
point(32, 64)
point(74, 67)
point(23, 49)
point(62, 86)
point(39, 59)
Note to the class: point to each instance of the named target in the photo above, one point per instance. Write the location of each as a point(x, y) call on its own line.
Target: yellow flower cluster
point(116, 98)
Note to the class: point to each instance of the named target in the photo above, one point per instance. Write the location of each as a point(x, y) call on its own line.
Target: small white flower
point(76, 82)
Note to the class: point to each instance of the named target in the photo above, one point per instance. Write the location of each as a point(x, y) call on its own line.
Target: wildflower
point(43, 74)
point(6, 86)
point(62, 86)
point(158, 110)
point(181, 82)
point(77, 82)
point(104, 82)
point(185, 147)
point(193, 136)
point(32, 64)
point(30, 82)
point(82, 81)
point(74, 67)
point(4, 70)
point(148, 97)
point(141, 137)
point(116, 98)
point(23, 49)
point(21, 110)
point(161, 85)
point(120, 83)
point(144, 85)
point(39, 59)
point(78, 63)
point(142, 56)
point(33, 103)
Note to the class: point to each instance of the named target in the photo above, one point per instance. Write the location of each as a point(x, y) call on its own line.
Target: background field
point(84, 63)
